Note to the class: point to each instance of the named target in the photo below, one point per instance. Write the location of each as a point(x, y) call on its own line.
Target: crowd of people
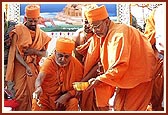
point(117, 60)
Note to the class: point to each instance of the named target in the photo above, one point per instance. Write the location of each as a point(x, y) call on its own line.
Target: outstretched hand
point(92, 83)
point(37, 92)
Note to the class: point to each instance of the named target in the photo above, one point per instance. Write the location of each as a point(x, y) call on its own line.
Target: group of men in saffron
point(114, 58)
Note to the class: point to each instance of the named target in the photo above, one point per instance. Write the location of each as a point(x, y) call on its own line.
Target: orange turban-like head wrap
point(65, 45)
point(32, 11)
point(99, 13)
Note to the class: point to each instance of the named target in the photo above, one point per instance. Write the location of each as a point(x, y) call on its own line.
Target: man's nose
point(63, 58)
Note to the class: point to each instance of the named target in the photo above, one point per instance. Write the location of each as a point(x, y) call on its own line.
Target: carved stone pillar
point(123, 11)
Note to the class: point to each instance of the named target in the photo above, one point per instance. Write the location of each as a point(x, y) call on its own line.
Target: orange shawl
point(150, 28)
point(128, 59)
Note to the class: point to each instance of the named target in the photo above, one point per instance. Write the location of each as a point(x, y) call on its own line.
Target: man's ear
point(107, 21)
point(25, 18)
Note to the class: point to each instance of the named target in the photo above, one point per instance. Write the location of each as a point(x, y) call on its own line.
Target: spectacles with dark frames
point(96, 26)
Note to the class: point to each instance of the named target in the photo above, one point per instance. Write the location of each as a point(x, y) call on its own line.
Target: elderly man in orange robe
point(155, 33)
point(29, 45)
point(84, 51)
point(128, 61)
point(54, 89)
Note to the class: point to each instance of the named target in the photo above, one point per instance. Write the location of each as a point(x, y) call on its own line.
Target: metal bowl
point(80, 86)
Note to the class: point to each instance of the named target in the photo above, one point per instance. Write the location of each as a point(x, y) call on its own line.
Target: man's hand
point(29, 71)
point(61, 101)
point(30, 51)
point(92, 83)
point(37, 93)
point(100, 69)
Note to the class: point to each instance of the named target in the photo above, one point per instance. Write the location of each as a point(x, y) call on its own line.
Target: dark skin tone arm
point(38, 83)
point(31, 51)
point(90, 77)
point(21, 60)
point(61, 101)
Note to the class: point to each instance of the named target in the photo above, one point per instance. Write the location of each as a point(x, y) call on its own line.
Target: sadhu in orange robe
point(58, 81)
point(129, 61)
point(157, 93)
point(24, 85)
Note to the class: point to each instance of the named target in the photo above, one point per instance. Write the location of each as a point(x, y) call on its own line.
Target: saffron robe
point(24, 85)
point(150, 32)
point(129, 63)
point(57, 82)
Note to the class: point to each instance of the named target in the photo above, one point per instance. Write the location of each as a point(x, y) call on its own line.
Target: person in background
point(128, 64)
point(82, 35)
point(28, 46)
point(8, 26)
point(155, 32)
point(135, 24)
point(54, 82)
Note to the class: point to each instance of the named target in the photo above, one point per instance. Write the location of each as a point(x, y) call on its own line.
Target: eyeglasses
point(96, 26)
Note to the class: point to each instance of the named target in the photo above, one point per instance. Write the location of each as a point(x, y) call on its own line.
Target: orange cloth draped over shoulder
point(128, 60)
point(150, 28)
point(57, 83)
point(16, 72)
point(127, 68)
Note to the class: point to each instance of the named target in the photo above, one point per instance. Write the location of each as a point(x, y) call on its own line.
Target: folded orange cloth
point(65, 45)
point(32, 11)
point(96, 14)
